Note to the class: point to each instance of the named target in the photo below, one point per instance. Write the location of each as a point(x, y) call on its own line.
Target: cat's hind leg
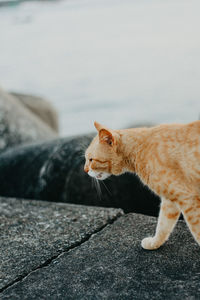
point(168, 216)
point(191, 213)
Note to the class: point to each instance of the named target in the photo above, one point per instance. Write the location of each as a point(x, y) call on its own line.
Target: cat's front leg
point(168, 216)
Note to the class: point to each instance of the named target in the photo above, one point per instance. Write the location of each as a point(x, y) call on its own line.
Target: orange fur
point(166, 158)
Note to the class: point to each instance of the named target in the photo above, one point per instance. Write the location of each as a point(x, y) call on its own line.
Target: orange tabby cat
point(166, 158)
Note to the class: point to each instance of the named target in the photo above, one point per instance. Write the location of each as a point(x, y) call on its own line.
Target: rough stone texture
point(41, 108)
point(18, 125)
point(33, 232)
point(112, 265)
point(54, 171)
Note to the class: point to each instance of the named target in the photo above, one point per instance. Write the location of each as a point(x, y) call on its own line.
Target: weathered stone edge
point(119, 213)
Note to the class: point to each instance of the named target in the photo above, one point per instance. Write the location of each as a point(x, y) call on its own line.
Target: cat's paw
point(150, 243)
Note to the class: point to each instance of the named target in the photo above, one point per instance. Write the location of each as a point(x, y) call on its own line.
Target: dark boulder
point(53, 171)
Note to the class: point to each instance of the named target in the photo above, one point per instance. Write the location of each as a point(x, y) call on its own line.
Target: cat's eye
point(90, 159)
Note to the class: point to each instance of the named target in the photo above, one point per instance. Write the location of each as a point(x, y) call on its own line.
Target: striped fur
point(167, 160)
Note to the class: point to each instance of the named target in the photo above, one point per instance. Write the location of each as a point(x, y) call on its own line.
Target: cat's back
point(173, 142)
point(176, 133)
point(177, 145)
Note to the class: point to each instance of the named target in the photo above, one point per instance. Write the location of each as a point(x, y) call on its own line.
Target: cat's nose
point(86, 169)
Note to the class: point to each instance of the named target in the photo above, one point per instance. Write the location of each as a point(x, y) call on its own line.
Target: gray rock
point(112, 265)
point(41, 108)
point(18, 125)
point(33, 232)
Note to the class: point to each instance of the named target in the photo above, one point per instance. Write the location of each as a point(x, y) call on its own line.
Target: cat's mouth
point(98, 175)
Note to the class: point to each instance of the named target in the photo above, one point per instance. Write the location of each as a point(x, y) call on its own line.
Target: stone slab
point(33, 232)
point(112, 265)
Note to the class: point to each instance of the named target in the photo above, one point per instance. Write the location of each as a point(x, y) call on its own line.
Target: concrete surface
point(33, 233)
point(112, 265)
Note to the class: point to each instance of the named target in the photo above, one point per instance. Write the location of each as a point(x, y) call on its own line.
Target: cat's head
point(103, 156)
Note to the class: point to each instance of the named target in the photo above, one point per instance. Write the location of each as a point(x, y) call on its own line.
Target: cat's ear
point(105, 136)
point(97, 126)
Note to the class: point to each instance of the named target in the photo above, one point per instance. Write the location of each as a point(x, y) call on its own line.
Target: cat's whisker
point(98, 188)
point(82, 154)
point(93, 184)
point(84, 145)
point(109, 192)
point(82, 150)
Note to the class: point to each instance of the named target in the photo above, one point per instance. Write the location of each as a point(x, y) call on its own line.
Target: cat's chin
point(99, 175)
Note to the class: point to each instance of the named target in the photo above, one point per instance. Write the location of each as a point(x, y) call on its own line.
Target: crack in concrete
point(50, 260)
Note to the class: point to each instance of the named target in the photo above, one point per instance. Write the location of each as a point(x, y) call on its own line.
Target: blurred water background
point(119, 62)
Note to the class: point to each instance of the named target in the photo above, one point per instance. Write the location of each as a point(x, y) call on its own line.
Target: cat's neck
point(132, 144)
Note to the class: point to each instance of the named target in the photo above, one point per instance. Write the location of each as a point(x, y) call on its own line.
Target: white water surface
point(117, 62)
